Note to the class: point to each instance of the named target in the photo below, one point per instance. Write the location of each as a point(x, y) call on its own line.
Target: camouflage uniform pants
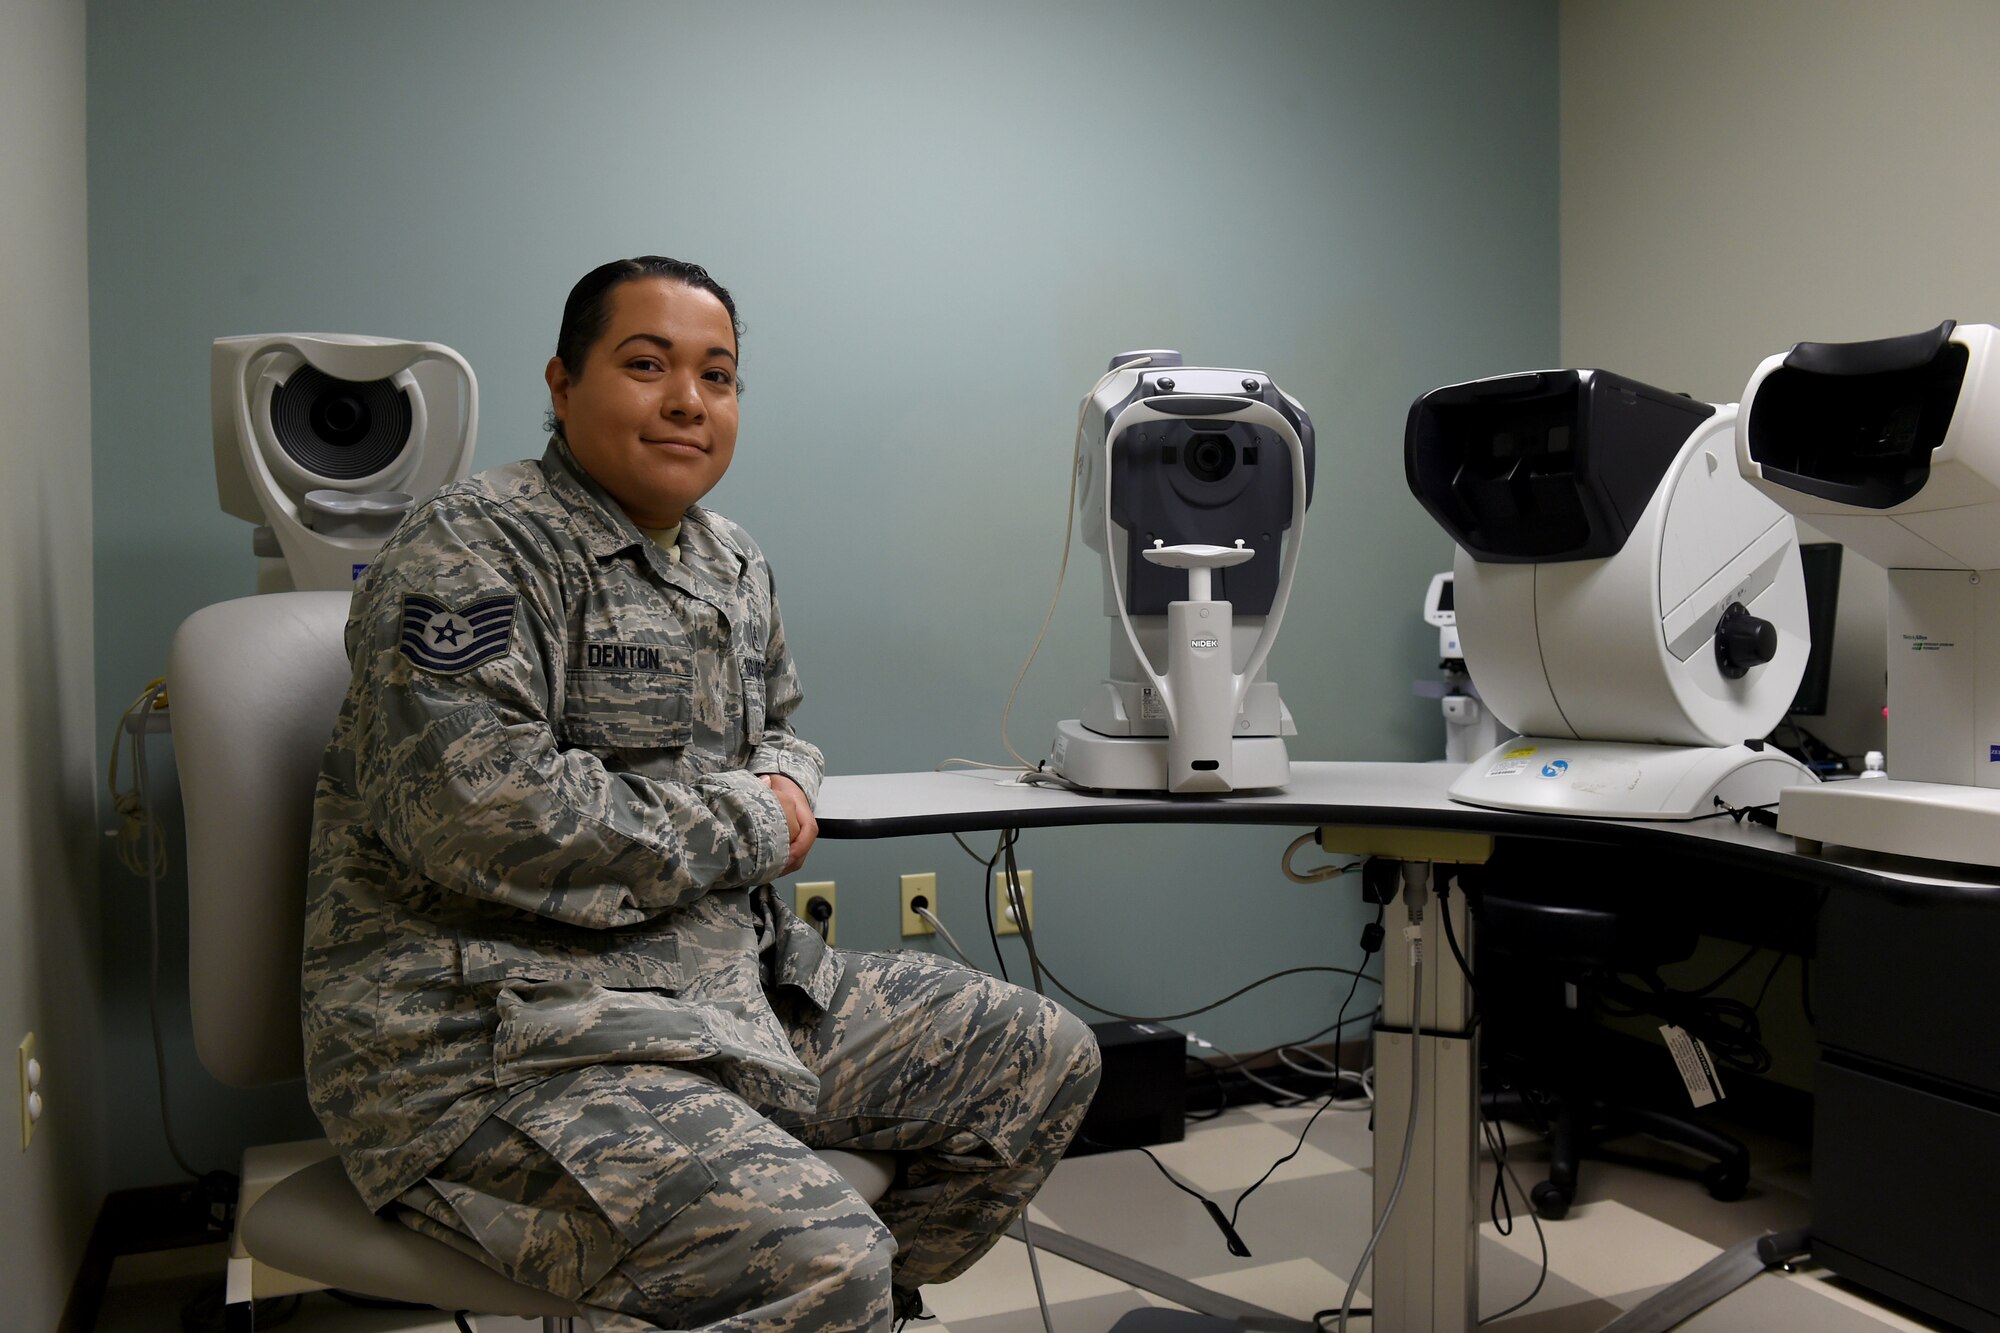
point(698, 1211)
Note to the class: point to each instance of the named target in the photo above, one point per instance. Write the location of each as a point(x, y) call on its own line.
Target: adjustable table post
point(1426, 1259)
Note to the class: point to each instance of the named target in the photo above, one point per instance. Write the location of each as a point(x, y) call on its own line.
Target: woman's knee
point(1072, 1047)
point(819, 1269)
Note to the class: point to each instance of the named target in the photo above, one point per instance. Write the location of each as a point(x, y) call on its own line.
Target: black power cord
point(1499, 1207)
point(820, 912)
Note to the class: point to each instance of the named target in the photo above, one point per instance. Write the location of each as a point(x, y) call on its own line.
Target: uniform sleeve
point(458, 644)
point(781, 750)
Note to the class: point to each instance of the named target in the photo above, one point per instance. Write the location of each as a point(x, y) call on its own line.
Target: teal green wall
point(939, 220)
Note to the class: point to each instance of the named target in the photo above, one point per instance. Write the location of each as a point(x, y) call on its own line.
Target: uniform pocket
point(546, 1027)
point(753, 701)
point(603, 958)
point(624, 1177)
point(629, 710)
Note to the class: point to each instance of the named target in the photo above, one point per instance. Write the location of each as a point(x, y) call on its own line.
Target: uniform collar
point(706, 562)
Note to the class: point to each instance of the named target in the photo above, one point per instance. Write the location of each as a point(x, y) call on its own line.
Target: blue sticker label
point(1993, 754)
point(438, 638)
point(356, 572)
point(1555, 768)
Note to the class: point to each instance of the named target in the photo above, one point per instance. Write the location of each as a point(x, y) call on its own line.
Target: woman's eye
point(721, 377)
point(643, 363)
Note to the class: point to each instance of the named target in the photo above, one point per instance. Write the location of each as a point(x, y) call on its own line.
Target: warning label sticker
point(1511, 762)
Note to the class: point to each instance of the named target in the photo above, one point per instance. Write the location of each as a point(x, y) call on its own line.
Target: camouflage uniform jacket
point(539, 823)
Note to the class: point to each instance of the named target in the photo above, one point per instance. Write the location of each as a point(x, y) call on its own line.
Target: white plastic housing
point(1954, 521)
point(1617, 780)
point(1187, 688)
point(1942, 550)
point(257, 480)
point(1623, 648)
point(1944, 676)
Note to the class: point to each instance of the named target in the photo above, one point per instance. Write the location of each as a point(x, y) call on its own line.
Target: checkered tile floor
point(1633, 1230)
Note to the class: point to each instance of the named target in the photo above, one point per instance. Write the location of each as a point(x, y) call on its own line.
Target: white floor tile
point(1231, 1156)
point(1001, 1282)
point(1607, 1248)
point(1296, 1287)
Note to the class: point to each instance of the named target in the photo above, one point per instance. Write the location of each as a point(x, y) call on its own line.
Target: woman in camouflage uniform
point(554, 1013)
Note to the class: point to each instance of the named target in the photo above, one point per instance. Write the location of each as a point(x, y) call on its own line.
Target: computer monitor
point(1822, 570)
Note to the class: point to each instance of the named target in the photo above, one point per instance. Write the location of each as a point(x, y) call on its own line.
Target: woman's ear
point(557, 375)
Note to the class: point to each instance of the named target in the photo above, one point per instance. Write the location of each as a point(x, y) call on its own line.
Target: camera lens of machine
point(340, 430)
point(1210, 457)
point(340, 418)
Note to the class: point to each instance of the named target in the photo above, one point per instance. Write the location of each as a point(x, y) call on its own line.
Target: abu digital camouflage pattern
point(649, 1191)
point(530, 913)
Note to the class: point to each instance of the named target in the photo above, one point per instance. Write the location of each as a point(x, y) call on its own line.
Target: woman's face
point(652, 416)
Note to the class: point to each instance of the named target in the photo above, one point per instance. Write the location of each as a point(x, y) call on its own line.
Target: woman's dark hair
point(588, 308)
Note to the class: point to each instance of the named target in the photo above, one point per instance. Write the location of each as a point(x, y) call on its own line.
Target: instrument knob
point(1743, 641)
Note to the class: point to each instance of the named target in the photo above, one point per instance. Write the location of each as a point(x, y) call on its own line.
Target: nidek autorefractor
point(1193, 484)
point(325, 441)
point(1624, 599)
point(1892, 447)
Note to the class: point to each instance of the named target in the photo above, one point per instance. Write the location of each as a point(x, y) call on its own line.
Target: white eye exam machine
point(1193, 484)
point(1893, 448)
point(1624, 599)
point(325, 441)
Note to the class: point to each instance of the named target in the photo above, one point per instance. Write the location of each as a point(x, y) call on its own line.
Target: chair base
point(1581, 1123)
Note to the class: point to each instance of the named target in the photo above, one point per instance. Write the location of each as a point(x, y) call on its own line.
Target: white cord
point(943, 765)
point(134, 840)
point(1319, 873)
point(930, 919)
point(1329, 1070)
point(1069, 531)
point(153, 861)
point(1409, 1133)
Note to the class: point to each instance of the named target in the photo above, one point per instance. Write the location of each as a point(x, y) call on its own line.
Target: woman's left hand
point(799, 819)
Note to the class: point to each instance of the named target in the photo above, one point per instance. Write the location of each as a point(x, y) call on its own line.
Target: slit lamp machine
point(1892, 447)
point(1625, 599)
point(1192, 486)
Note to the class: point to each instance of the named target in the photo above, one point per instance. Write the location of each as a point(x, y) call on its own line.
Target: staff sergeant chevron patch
point(438, 638)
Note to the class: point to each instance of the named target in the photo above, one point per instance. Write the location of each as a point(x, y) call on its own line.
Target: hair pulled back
point(588, 309)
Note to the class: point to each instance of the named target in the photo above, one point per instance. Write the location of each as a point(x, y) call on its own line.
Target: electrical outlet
point(802, 896)
point(31, 1090)
point(1003, 911)
point(919, 891)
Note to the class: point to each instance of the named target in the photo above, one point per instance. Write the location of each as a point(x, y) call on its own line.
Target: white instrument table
point(1426, 1277)
point(1383, 795)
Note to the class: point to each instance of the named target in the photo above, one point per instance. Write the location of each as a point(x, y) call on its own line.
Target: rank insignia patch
point(438, 638)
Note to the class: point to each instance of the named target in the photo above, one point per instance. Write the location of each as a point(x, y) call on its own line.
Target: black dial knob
point(1743, 641)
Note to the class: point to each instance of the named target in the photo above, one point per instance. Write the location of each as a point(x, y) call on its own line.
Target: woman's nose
point(683, 398)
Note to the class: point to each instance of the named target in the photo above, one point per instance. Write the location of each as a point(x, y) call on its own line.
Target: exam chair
point(256, 684)
point(1546, 930)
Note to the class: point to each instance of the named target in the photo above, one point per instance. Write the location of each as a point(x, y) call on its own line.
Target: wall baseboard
point(139, 1221)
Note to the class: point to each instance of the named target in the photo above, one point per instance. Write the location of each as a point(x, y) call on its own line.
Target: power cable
point(142, 849)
